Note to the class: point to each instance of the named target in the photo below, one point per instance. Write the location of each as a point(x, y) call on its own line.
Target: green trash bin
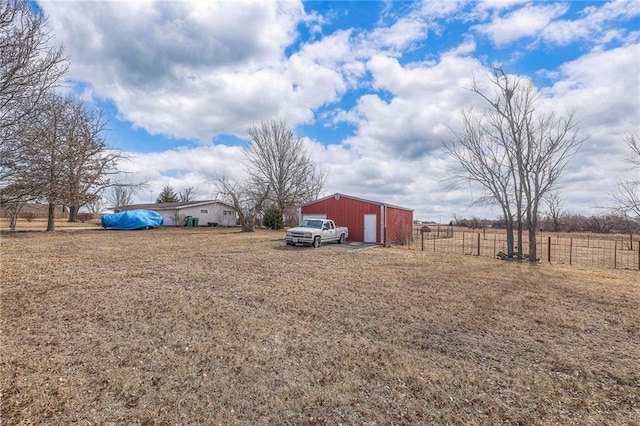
point(195, 221)
point(188, 221)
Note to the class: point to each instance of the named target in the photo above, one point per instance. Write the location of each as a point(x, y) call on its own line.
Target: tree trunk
point(510, 241)
point(248, 223)
point(51, 218)
point(532, 224)
point(533, 244)
point(508, 224)
point(519, 225)
point(73, 213)
point(13, 218)
point(628, 222)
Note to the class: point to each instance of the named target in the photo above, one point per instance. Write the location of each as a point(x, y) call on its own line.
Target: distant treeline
point(607, 223)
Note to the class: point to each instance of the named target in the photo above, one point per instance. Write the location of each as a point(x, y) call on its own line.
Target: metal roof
point(338, 195)
point(171, 206)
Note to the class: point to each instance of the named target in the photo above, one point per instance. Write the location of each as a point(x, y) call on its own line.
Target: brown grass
point(614, 251)
point(41, 224)
point(210, 326)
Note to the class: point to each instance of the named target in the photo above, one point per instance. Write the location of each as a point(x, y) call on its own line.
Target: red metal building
point(368, 221)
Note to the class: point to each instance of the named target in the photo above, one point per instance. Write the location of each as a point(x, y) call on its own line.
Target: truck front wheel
point(316, 242)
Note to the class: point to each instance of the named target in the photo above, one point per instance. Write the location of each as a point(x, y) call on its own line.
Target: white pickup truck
point(315, 231)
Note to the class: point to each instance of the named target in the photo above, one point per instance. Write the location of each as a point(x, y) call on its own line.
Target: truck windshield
point(312, 224)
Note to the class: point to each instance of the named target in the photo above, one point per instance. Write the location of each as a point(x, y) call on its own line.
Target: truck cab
point(313, 232)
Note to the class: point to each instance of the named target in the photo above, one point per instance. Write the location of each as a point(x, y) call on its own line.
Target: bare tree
point(120, 195)
point(247, 199)
point(627, 197)
point(45, 151)
point(29, 68)
point(633, 142)
point(88, 162)
point(13, 198)
point(530, 147)
point(550, 143)
point(97, 205)
point(482, 161)
point(554, 206)
point(178, 218)
point(278, 160)
point(64, 160)
point(188, 194)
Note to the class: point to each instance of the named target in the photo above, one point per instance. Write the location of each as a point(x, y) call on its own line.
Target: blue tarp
point(132, 219)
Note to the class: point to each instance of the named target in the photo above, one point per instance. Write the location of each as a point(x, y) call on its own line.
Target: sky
point(373, 88)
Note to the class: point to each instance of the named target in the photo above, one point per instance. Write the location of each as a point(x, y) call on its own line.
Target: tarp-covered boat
point(132, 219)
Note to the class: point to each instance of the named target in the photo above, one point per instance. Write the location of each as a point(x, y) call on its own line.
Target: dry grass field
point(211, 326)
point(41, 224)
point(615, 251)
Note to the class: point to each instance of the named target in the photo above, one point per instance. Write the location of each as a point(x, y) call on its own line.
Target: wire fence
point(608, 253)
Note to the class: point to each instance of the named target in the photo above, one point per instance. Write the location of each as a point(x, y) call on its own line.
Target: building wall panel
point(346, 211)
point(399, 225)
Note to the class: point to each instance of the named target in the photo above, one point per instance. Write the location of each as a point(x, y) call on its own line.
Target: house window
point(228, 213)
point(204, 211)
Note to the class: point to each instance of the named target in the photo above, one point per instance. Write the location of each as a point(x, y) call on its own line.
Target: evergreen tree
point(273, 217)
point(168, 195)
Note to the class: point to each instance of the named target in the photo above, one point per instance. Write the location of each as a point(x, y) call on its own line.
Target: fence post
point(494, 245)
point(615, 254)
point(549, 249)
point(638, 255)
point(422, 241)
point(463, 243)
point(478, 244)
point(570, 250)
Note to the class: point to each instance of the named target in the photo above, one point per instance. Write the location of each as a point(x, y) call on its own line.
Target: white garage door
point(168, 218)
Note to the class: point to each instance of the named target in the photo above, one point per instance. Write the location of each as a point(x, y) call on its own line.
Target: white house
point(208, 213)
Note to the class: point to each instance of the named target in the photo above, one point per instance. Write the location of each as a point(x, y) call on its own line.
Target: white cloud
point(604, 86)
point(465, 48)
point(181, 168)
point(593, 25)
point(400, 35)
point(186, 69)
point(484, 8)
point(523, 22)
point(406, 31)
point(425, 98)
point(543, 23)
point(404, 128)
point(414, 184)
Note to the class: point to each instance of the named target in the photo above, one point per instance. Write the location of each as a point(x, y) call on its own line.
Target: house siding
point(170, 212)
point(215, 214)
